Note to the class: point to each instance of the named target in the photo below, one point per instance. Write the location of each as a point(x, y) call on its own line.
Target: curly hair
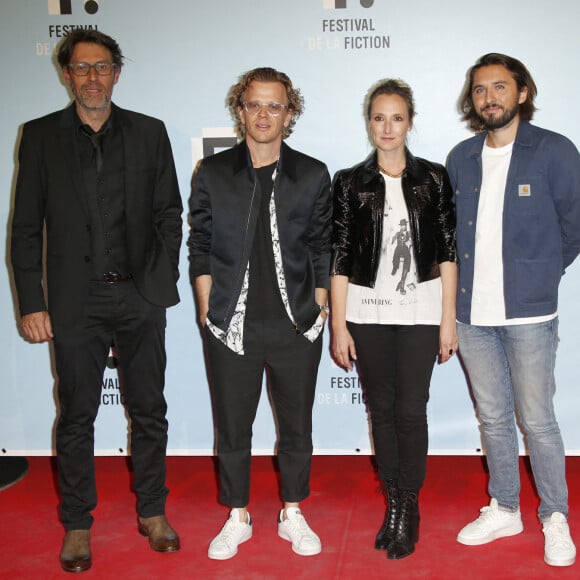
point(90, 36)
point(235, 97)
point(519, 73)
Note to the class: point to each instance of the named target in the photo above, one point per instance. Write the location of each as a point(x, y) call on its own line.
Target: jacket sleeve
point(445, 225)
point(565, 185)
point(167, 202)
point(200, 216)
point(451, 168)
point(320, 231)
point(27, 225)
point(341, 227)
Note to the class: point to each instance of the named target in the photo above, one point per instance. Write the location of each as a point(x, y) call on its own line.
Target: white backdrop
point(181, 58)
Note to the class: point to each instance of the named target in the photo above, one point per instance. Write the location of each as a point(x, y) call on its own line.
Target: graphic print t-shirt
point(397, 297)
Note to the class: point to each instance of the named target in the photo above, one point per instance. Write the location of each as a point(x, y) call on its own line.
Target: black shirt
point(103, 170)
point(264, 301)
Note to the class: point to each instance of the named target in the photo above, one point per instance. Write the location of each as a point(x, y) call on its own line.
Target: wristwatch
point(324, 308)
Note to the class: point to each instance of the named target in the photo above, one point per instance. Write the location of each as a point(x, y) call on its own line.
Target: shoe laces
point(299, 524)
point(491, 515)
point(230, 529)
point(557, 532)
point(487, 515)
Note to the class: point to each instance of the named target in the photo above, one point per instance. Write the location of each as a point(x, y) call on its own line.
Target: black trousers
point(291, 362)
point(114, 312)
point(395, 363)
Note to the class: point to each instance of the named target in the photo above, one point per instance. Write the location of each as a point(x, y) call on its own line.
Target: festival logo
point(61, 7)
point(62, 26)
point(347, 28)
point(336, 4)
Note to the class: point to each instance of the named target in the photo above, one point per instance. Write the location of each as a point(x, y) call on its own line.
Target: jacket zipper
point(244, 246)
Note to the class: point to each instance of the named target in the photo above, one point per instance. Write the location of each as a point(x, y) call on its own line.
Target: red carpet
point(344, 509)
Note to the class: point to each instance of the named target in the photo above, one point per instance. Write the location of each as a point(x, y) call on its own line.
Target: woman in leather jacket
point(393, 285)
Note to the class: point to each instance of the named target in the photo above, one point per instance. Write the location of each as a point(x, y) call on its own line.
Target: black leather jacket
point(358, 206)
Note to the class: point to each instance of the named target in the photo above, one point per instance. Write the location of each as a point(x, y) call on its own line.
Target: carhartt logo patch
point(524, 190)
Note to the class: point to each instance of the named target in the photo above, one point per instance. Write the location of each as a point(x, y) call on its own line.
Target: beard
point(497, 122)
point(91, 102)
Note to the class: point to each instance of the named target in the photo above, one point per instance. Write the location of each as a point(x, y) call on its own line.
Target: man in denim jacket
point(517, 196)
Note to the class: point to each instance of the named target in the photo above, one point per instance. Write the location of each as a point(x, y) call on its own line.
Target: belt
point(114, 277)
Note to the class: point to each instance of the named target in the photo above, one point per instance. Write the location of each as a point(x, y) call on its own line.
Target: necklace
point(393, 175)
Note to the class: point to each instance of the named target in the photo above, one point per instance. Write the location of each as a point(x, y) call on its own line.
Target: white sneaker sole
point(228, 555)
point(298, 550)
point(503, 533)
point(552, 562)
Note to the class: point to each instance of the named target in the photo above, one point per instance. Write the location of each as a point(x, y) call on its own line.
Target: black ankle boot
point(387, 532)
point(407, 530)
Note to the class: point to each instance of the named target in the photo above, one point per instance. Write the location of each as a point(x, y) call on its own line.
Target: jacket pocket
point(537, 281)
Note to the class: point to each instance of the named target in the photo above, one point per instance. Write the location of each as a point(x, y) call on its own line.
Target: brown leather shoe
point(162, 537)
point(76, 551)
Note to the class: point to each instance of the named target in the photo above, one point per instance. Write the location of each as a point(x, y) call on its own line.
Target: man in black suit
point(260, 256)
point(102, 181)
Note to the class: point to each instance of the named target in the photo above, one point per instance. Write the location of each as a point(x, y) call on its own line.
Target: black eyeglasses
point(82, 69)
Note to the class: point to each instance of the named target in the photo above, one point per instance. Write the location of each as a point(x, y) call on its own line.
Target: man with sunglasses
point(102, 181)
point(259, 259)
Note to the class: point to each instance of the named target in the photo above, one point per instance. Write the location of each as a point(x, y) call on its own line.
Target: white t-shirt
point(487, 303)
point(397, 297)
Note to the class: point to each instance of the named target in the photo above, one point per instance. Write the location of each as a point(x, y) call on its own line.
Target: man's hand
point(202, 291)
point(37, 326)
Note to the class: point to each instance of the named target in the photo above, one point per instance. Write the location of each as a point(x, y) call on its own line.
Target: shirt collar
point(83, 129)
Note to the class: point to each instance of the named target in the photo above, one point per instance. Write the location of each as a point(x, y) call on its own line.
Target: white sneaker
point(559, 549)
point(225, 544)
point(493, 523)
point(295, 529)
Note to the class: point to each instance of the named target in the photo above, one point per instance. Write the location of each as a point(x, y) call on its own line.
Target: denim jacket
point(540, 222)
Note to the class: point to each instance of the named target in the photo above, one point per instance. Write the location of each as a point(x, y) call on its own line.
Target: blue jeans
point(508, 367)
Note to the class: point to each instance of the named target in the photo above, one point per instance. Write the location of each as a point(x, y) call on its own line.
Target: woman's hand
point(447, 340)
point(343, 349)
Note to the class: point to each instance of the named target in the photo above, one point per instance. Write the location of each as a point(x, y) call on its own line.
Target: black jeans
point(395, 363)
point(291, 362)
point(114, 312)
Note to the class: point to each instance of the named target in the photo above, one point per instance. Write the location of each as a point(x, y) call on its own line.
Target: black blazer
point(224, 210)
point(50, 191)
